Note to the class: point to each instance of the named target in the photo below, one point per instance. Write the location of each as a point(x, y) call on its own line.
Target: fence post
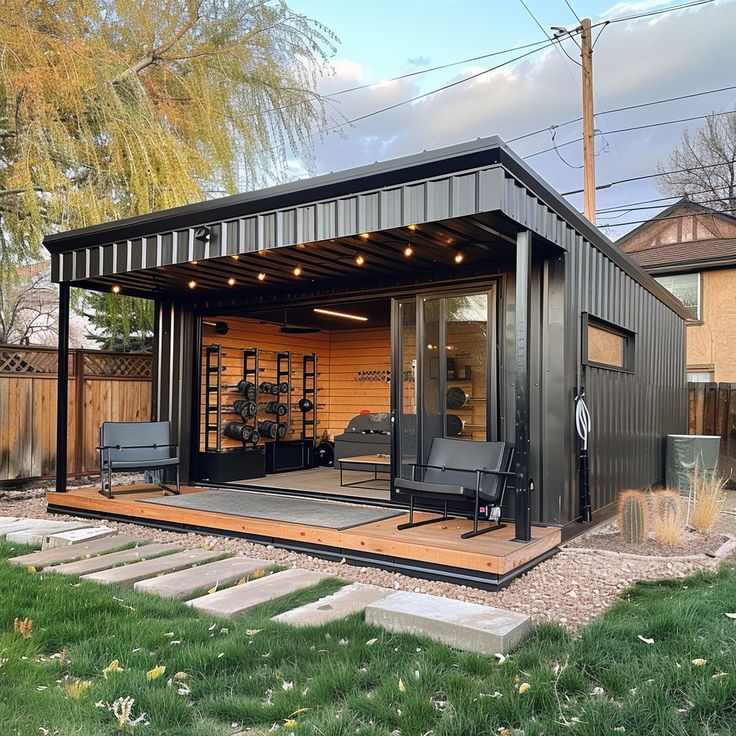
point(79, 411)
point(62, 396)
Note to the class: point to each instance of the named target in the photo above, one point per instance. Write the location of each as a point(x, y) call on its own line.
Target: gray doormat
point(328, 514)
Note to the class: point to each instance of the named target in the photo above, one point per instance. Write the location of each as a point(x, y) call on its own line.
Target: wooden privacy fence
point(102, 386)
point(713, 411)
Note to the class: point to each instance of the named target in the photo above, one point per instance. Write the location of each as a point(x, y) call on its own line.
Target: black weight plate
point(455, 425)
point(456, 398)
point(248, 389)
point(305, 405)
point(233, 430)
point(324, 454)
point(255, 437)
point(281, 430)
point(284, 387)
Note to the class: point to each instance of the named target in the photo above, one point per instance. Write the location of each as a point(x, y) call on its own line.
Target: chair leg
point(411, 523)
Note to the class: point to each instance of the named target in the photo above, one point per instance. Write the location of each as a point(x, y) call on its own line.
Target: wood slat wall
point(340, 355)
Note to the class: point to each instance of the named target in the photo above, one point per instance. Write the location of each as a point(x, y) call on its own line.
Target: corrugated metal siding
point(631, 412)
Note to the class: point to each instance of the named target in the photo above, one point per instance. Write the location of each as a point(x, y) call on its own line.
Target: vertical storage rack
point(309, 391)
point(283, 375)
point(213, 398)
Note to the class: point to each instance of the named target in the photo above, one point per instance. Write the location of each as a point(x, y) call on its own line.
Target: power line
point(658, 199)
point(644, 176)
point(658, 124)
point(727, 211)
point(572, 10)
point(655, 12)
point(634, 208)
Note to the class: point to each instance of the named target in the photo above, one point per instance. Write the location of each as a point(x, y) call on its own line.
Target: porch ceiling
point(434, 248)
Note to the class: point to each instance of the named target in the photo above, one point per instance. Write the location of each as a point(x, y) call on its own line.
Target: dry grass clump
point(668, 517)
point(707, 495)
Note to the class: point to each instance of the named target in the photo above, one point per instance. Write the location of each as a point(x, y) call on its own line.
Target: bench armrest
point(461, 470)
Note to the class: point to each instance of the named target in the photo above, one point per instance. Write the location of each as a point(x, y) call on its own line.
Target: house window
point(686, 287)
point(606, 345)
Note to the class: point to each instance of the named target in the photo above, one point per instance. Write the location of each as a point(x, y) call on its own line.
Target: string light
point(261, 276)
point(235, 257)
point(412, 227)
point(231, 281)
point(194, 263)
point(364, 236)
point(408, 251)
point(116, 289)
point(359, 259)
point(192, 284)
point(459, 257)
point(297, 271)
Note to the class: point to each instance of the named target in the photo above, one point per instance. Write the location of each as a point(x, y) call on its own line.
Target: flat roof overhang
point(477, 195)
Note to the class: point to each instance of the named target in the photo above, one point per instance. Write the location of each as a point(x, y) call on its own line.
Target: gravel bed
point(571, 588)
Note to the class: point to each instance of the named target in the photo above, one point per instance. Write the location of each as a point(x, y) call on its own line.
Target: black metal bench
point(458, 469)
point(126, 446)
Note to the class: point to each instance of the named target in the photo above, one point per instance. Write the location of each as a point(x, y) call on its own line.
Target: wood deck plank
point(438, 544)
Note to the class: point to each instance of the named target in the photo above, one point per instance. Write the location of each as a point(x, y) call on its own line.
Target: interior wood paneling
point(340, 355)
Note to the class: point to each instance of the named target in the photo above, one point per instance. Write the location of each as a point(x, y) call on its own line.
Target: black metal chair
point(458, 469)
point(126, 446)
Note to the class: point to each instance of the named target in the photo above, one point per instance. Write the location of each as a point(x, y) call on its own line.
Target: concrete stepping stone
point(346, 601)
point(76, 536)
point(131, 574)
point(467, 626)
point(189, 583)
point(36, 533)
point(7, 520)
point(107, 561)
point(74, 552)
point(17, 525)
point(243, 598)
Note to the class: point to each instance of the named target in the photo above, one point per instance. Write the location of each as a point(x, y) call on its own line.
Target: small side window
point(606, 345)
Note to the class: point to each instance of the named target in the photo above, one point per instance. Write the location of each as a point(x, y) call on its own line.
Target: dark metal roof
point(464, 181)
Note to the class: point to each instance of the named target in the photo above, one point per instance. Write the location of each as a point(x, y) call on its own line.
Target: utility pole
point(586, 54)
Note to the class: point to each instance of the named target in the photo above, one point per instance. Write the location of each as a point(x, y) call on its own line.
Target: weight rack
point(309, 391)
point(213, 369)
point(283, 375)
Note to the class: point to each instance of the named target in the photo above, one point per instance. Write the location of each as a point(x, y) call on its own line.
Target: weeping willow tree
point(113, 108)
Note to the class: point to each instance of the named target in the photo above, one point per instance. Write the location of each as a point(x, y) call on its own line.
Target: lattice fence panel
point(20, 361)
point(121, 365)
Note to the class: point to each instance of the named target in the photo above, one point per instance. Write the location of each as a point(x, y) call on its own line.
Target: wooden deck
point(432, 547)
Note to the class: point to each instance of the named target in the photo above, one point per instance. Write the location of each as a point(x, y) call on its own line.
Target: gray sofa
point(366, 434)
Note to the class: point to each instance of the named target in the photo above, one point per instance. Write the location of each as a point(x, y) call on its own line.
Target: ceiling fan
point(290, 329)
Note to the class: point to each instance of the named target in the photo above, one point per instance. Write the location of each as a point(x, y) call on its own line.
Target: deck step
point(345, 602)
point(74, 552)
point(107, 561)
point(77, 536)
point(243, 598)
point(42, 528)
point(467, 626)
point(131, 574)
point(187, 583)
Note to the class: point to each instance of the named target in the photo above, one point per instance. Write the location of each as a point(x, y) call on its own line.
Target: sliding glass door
point(444, 357)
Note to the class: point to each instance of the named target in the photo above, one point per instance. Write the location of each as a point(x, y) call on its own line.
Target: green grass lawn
point(349, 678)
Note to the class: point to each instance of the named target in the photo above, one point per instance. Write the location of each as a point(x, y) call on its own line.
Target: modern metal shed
point(568, 311)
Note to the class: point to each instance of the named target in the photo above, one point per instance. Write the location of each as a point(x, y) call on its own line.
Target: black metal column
point(522, 505)
point(62, 383)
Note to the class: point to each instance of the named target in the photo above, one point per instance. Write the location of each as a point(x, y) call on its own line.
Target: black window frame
point(591, 320)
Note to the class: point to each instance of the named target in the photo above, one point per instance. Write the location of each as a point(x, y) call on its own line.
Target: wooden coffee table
point(378, 463)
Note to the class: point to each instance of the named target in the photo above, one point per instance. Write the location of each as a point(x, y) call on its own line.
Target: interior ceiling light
point(235, 256)
point(345, 315)
point(192, 284)
point(261, 276)
point(412, 227)
point(364, 236)
point(459, 257)
point(359, 259)
point(408, 251)
point(116, 289)
point(297, 271)
point(231, 281)
point(202, 233)
point(194, 263)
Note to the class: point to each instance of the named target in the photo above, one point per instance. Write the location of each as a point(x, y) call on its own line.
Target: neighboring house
point(691, 250)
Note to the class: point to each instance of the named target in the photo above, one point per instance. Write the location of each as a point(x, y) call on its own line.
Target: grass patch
point(332, 683)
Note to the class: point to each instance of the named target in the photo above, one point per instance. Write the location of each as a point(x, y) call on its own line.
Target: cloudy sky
point(637, 61)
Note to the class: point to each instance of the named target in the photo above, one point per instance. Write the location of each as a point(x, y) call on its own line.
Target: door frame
point(494, 430)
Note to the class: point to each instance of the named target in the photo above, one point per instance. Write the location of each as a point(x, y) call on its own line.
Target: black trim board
point(412, 568)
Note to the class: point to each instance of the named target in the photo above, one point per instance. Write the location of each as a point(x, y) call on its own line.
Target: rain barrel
point(682, 451)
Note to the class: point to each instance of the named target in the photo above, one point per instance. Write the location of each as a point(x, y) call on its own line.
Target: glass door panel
point(443, 347)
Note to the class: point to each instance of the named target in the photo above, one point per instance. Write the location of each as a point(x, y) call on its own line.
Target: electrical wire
point(643, 177)
point(726, 211)
point(655, 12)
point(658, 199)
point(630, 129)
